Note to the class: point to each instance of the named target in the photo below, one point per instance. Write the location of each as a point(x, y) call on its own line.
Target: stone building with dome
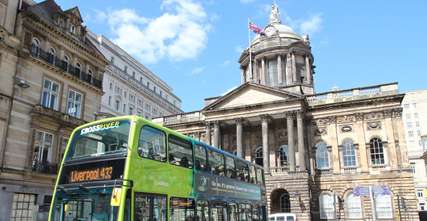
point(335, 155)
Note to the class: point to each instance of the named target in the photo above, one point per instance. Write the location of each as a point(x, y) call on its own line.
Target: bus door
point(150, 207)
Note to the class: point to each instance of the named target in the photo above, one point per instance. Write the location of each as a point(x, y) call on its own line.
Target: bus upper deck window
point(152, 144)
point(230, 167)
point(200, 158)
point(180, 152)
point(216, 162)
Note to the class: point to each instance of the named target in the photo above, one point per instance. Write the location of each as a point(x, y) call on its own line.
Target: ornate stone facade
point(51, 82)
point(336, 155)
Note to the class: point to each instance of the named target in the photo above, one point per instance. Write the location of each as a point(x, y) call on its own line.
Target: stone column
point(301, 148)
point(288, 69)
point(208, 133)
point(291, 145)
point(262, 74)
point(255, 71)
point(265, 151)
point(243, 77)
point(216, 140)
point(279, 69)
point(294, 69)
point(239, 141)
point(308, 69)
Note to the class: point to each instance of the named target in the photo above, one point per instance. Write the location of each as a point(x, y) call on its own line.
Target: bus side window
point(232, 212)
point(182, 209)
point(242, 170)
point(230, 167)
point(180, 152)
point(202, 211)
point(200, 158)
point(150, 207)
point(216, 162)
point(252, 173)
point(259, 176)
point(152, 144)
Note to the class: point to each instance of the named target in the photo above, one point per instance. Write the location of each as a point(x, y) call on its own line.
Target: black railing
point(65, 66)
point(48, 168)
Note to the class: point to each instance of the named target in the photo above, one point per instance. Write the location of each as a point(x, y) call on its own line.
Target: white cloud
point(197, 70)
point(311, 25)
point(226, 63)
point(179, 33)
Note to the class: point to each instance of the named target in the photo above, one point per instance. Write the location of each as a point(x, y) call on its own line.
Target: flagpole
point(250, 50)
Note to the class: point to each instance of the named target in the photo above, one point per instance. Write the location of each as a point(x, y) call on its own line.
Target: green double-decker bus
point(128, 168)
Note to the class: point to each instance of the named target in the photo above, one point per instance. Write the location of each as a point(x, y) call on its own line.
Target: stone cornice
point(350, 118)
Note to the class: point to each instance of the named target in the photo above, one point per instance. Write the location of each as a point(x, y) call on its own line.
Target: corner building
point(51, 82)
point(337, 155)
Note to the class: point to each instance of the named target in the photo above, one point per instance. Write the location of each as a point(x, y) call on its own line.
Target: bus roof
point(170, 131)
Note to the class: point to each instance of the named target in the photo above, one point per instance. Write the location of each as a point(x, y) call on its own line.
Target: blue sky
point(194, 45)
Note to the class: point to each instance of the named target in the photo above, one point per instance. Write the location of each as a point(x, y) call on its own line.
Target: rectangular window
point(230, 167)
point(420, 194)
point(74, 103)
point(200, 157)
point(152, 144)
point(182, 209)
point(410, 133)
point(242, 170)
point(50, 94)
point(409, 124)
point(412, 166)
point(23, 205)
point(130, 110)
point(42, 151)
point(180, 152)
point(109, 100)
point(117, 105)
point(150, 207)
point(216, 162)
point(272, 72)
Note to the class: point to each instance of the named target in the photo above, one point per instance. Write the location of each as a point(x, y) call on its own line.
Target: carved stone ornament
point(374, 116)
point(346, 128)
point(320, 131)
point(346, 119)
point(375, 125)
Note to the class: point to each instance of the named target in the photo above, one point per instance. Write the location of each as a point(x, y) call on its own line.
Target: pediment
point(250, 94)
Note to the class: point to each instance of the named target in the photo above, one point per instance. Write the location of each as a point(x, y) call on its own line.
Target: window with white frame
point(327, 206)
point(383, 206)
point(322, 156)
point(23, 205)
point(42, 150)
point(50, 94)
point(348, 153)
point(74, 103)
point(35, 46)
point(377, 151)
point(354, 206)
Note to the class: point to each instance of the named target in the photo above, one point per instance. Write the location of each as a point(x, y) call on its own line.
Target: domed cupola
point(279, 58)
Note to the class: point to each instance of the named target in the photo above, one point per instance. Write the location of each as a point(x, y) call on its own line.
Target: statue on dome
point(275, 14)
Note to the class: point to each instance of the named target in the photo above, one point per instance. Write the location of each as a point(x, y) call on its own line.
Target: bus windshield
point(100, 139)
point(84, 205)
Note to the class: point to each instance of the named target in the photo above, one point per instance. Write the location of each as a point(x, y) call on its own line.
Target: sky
point(194, 46)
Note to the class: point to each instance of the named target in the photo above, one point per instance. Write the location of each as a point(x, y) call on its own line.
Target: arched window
point(283, 155)
point(322, 156)
point(348, 153)
point(72, 29)
point(66, 63)
point(51, 55)
point(280, 201)
point(258, 156)
point(90, 75)
point(77, 69)
point(383, 206)
point(327, 205)
point(285, 203)
point(354, 206)
point(35, 47)
point(377, 151)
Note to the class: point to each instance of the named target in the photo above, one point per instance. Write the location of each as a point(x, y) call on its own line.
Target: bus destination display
point(102, 173)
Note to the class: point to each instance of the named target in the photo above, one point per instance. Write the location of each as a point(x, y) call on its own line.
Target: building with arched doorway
point(334, 155)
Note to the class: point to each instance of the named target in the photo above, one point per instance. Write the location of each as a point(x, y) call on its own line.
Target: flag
point(253, 27)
